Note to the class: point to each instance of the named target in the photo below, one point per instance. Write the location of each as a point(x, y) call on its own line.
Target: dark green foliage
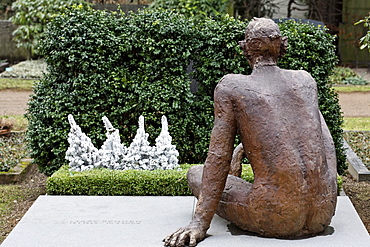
point(82, 52)
point(129, 183)
point(311, 48)
point(116, 66)
point(123, 66)
point(220, 53)
point(192, 8)
point(31, 17)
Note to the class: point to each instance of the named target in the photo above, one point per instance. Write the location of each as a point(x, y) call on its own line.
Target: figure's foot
point(190, 235)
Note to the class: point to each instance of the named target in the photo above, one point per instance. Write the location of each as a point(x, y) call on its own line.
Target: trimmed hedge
point(129, 183)
point(113, 182)
point(145, 63)
point(105, 182)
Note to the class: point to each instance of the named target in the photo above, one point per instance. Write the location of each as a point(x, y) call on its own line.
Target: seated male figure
point(286, 140)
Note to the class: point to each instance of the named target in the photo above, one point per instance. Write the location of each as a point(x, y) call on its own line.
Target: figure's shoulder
point(230, 79)
point(299, 73)
point(301, 76)
point(230, 82)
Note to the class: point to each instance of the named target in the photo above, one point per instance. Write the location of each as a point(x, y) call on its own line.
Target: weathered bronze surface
point(286, 139)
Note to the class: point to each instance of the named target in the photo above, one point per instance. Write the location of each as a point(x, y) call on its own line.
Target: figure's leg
point(194, 177)
point(232, 205)
point(236, 161)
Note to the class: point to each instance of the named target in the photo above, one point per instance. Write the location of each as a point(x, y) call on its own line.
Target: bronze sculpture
point(286, 140)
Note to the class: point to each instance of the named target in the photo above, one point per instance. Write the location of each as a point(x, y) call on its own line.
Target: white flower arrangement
point(82, 155)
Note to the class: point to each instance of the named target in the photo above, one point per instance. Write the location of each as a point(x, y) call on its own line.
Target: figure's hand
point(190, 235)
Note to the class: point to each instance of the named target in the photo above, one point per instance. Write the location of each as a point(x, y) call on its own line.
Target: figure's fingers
point(193, 240)
point(176, 237)
point(181, 238)
point(167, 240)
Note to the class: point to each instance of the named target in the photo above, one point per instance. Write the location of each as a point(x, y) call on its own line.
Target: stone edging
point(18, 173)
point(355, 167)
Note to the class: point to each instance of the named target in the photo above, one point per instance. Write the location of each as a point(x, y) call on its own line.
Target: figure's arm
point(215, 172)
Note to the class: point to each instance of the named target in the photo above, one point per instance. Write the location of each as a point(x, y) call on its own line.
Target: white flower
point(113, 155)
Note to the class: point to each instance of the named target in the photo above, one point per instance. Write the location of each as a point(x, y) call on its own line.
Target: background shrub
point(31, 17)
point(190, 8)
point(150, 63)
point(103, 64)
point(340, 74)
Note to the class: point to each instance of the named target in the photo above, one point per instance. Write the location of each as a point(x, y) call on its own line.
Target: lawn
point(356, 123)
point(16, 84)
point(352, 88)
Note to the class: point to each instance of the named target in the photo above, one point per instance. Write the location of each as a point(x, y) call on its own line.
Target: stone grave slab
point(144, 221)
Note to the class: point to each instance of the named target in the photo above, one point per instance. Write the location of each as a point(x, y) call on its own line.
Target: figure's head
point(263, 41)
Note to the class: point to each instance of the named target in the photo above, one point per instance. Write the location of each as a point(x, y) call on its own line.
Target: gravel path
point(13, 102)
point(353, 104)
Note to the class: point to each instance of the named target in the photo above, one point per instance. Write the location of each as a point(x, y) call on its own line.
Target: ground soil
point(14, 103)
point(359, 193)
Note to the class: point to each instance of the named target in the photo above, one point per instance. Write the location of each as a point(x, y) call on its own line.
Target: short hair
point(264, 28)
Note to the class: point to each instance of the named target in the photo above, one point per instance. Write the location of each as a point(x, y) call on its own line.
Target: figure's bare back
point(280, 127)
